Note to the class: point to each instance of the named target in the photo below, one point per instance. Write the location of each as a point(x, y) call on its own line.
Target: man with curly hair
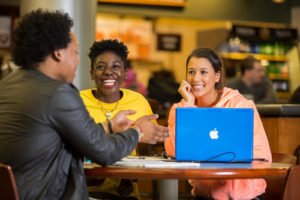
point(45, 130)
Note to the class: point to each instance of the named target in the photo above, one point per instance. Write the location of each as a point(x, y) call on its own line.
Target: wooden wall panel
point(283, 133)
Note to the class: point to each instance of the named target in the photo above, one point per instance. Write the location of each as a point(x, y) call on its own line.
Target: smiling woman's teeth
point(109, 82)
point(198, 86)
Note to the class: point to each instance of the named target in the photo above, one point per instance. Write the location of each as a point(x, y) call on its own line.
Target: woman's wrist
point(138, 130)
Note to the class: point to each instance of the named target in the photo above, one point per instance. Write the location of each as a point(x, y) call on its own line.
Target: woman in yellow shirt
point(108, 70)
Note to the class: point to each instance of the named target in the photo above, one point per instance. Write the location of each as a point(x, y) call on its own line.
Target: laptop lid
point(214, 134)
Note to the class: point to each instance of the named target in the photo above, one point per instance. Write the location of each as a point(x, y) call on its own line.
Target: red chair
point(292, 185)
point(275, 186)
point(8, 187)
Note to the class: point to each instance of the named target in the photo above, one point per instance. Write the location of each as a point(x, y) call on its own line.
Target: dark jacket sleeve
point(70, 118)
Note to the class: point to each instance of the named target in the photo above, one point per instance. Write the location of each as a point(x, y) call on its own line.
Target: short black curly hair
point(99, 47)
point(38, 34)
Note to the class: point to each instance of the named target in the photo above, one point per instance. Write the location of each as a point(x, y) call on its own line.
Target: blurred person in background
point(163, 87)
point(295, 99)
point(131, 81)
point(7, 66)
point(254, 84)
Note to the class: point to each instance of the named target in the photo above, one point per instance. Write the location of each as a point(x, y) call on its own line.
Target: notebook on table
point(214, 134)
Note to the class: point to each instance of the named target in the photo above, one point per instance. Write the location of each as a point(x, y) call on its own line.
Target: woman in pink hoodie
point(203, 87)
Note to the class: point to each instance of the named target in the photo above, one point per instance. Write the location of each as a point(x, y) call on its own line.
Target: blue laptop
point(214, 134)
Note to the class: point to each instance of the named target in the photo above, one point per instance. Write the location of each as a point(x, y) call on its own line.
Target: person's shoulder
point(43, 83)
point(67, 87)
point(180, 104)
point(235, 79)
point(267, 82)
point(230, 94)
point(233, 99)
point(233, 82)
point(66, 96)
point(132, 94)
point(85, 93)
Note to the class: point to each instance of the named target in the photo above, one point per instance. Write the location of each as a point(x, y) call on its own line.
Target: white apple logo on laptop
point(214, 134)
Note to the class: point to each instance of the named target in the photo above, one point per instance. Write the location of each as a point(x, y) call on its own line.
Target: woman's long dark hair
point(213, 58)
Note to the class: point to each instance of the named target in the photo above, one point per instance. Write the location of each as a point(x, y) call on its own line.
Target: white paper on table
point(154, 162)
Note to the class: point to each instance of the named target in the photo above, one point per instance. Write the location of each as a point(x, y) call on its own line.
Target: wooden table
point(169, 176)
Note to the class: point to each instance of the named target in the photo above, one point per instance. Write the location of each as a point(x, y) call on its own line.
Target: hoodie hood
point(230, 96)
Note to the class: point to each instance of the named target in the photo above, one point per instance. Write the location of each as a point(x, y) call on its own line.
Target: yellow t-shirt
point(130, 100)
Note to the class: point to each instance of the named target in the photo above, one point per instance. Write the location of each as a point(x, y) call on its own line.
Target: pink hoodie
point(233, 188)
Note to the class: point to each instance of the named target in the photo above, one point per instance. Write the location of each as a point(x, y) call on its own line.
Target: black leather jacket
point(45, 131)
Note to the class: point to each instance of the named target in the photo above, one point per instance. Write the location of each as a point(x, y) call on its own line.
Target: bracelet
point(138, 129)
point(109, 127)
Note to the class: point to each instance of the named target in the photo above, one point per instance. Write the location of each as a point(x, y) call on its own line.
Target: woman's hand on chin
point(185, 90)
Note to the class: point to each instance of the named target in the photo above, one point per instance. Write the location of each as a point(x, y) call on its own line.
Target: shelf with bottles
point(281, 85)
point(270, 45)
point(272, 54)
point(278, 73)
point(277, 70)
point(238, 48)
point(241, 56)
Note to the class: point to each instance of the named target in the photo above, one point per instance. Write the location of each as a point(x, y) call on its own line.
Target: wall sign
point(168, 42)
point(259, 33)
